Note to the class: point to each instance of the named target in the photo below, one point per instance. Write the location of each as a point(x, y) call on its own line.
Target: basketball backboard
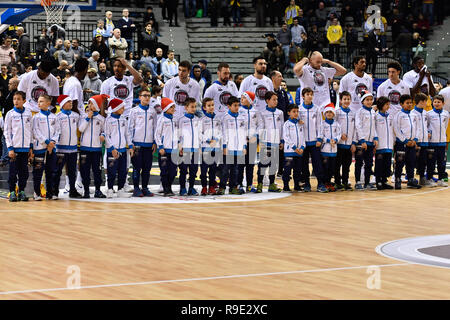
point(83, 4)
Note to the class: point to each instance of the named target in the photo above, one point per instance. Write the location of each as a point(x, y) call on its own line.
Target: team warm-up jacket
point(44, 131)
point(210, 129)
point(166, 134)
point(329, 130)
point(188, 132)
point(384, 124)
point(91, 130)
point(365, 126)
point(116, 133)
point(421, 126)
point(346, 119)
point(18, 130)
point(311, 117)
point(66, 131)
point(234, 131)
point(437, 126)
point(254, 120)
point(405, 126)
point(141, 126)
point(294, 138)
point(272, 126)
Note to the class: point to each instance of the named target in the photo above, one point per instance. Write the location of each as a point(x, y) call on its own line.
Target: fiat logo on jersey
point(394, 97)
point(319, 78)
point(181, 97)
point(121, 91)
point(261, 92)
point(37, 92)
point(224, 96)
point(360, 88)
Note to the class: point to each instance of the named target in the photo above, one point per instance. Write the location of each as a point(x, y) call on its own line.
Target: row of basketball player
point(328, 136)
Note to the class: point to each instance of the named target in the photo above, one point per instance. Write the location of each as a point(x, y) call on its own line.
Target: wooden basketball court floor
point(305, 246)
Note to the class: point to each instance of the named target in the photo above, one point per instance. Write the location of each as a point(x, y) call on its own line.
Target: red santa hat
point(329, 107)
point(166, 103)
point(63, 99)
point(116, 104)
point(98, 100)
point(250, 96)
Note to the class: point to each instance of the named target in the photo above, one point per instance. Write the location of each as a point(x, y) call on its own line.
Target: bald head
point(316, 60)
point(13, 84)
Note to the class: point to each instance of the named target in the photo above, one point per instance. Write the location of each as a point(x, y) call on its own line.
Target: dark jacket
point(374, 42)
point(283, 102)
point(125, 28)
point(102, 49)
point(23, 51)
point(207, 75)
point(42, 42)
point(150, 41)
point(7, 102)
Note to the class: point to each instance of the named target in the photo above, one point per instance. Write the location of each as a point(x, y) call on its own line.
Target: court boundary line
point(236, 276)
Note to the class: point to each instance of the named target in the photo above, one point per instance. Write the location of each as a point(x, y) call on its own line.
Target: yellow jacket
point(334, 34)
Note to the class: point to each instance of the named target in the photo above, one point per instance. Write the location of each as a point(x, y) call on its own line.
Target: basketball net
point(54, 10)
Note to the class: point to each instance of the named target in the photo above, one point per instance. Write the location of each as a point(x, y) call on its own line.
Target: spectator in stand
point(157, 62)
point(149, 39)
point(305, 47)
point(334, 35)
point(291, 12)
point(351, 39)
point(225, 12)
point(190, 8)
point(205, 72)
point(236, 12)
point(117, 45)
point(284, 36)
point(347, 12)
point(277, 61)
point(285, 88)
point(101, 30)
point(428, 10)
point(94, 60)
point(4, 80)
point(316, 38)
point(302, 20)
point(61, 69)
point(127, 28)
point(423, 25)
point(7, 53)
point(260, 6)
point(196, 74)
point(145, 62)
point(149, 16)
point(238, 80)
point(23, 50)
point(172, 6)
point(14, 71)
point(59, 44)
point(42, 44)
point(274, 9)
point(170, 66)
point(67, 54)
point(92, 84)
point(99, 45)
point(109, 26)
point(103, 73)
point(77, 49)
point(55, 32)
point(375, 47)
point(396, 23)
point(321, 15)
point(297, 31)
point(28, 69)
point(214, 12)
point(331, 17)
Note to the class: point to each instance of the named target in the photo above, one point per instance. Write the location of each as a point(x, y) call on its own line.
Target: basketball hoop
point(54, 10)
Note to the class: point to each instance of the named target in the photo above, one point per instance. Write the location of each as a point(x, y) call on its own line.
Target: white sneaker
point(161, 189)
point(432, 183)
point(373, 180)
point(55, 197)
point(123, 194)
point(109, 193)
point(36, 197)
point(442, 183)
point(127, 187)
point(266, 180)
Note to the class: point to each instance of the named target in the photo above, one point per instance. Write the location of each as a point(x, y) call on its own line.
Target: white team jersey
point(393, 92)
point(259, 87)
point(411, 77)
point(73, 88)
point(120, 89)
point(446, 94)
point(355, 85)
point(34, 87)
point(317, 80)
point(175, 90)
point(221, 93)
